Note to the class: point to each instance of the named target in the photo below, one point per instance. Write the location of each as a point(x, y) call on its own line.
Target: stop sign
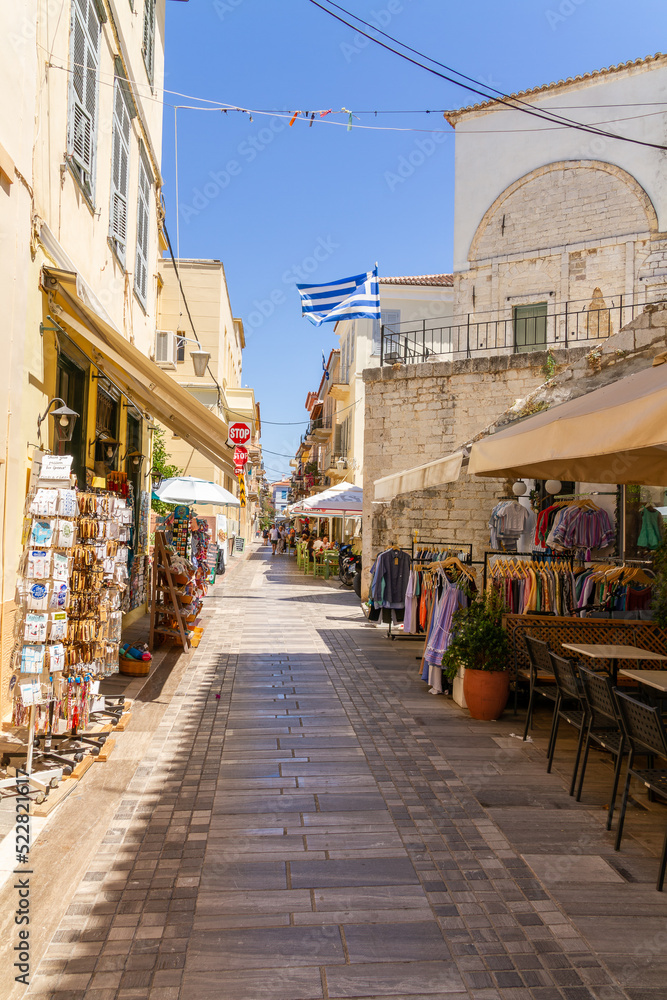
point(240, 456)
point(238, 433)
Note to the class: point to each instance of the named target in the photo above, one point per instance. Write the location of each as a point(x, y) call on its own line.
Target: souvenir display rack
point(72, 574)
point(169, 601)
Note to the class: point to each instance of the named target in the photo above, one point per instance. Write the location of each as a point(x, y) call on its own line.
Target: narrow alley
point(307, 823)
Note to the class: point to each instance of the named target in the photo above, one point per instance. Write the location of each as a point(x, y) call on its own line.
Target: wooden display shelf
point(164, 583)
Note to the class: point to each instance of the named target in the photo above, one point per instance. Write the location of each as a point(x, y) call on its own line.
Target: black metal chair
point(646, 736)
point(604, 727)
point(570, 706)
point(539, 670)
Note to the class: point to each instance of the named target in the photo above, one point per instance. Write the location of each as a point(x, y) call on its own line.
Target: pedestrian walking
point(274, 535)
point(265, 536)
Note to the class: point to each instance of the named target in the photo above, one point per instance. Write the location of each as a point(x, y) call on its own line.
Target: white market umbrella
point(188, 490)
point(343, 500)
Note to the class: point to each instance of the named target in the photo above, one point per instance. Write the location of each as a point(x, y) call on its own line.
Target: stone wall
point(418, 413)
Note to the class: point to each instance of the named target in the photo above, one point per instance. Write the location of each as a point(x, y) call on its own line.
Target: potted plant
point(480, 645)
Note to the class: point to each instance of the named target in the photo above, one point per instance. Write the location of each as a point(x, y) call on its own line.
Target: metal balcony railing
point(446, 339)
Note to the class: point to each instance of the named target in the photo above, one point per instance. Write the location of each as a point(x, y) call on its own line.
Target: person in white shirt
point(274, 535)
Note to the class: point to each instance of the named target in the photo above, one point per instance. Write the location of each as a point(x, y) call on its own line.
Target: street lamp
point(64, 420)
point(200, 359)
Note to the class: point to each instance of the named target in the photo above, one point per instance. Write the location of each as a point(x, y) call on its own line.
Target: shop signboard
point(238, 433)
point(239, 544)
point(240, 456)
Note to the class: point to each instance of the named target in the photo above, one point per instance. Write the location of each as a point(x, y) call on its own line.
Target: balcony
point(340, 389)
point(522, 329)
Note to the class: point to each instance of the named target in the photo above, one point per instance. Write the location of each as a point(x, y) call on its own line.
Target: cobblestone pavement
point(296, 831)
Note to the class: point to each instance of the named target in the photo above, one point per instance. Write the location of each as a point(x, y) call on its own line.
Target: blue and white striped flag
point(357, 297)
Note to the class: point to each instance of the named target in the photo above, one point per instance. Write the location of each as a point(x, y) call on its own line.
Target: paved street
point(308, 823)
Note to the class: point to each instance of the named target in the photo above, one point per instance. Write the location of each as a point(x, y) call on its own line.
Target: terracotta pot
point(486, 692)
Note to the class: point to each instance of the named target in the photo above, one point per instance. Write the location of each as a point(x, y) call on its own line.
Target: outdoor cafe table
point(613, 653)
point(654, 679)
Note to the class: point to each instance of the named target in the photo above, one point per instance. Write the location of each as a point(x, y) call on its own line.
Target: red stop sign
point(240, 456)
point(238, 433)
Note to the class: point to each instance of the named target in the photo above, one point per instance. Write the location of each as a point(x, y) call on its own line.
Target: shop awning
point(616, 434)
point(144, 381)
point(439, 473)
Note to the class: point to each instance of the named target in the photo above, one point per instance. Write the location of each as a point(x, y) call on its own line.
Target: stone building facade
point(418, 413)
point(558, 223)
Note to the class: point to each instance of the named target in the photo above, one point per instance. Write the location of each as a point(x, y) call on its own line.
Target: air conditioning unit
point(166, 343)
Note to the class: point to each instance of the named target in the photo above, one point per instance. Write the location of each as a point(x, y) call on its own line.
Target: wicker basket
point(134, 668)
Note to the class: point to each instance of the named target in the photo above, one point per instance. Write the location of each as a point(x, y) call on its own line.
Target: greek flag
point(357, 297)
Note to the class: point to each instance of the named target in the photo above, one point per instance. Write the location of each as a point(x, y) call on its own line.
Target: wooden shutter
point(148, 45)
point(82, 113)
point(120, 163)
point(143, 218)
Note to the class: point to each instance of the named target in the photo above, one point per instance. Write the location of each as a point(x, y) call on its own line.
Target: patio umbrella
point(342, 500)
point(188, 490)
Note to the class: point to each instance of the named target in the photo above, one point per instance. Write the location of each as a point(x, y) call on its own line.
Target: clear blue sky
point(262, 196)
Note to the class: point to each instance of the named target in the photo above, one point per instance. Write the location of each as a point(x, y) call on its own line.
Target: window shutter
point(82, 116)
point(148, 46)
point(390, 318)
point(120, 161)
point(337, 438)
point(143, 217)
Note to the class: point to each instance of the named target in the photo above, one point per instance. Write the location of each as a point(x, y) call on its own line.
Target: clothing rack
point(560, 557)
point(461, 549)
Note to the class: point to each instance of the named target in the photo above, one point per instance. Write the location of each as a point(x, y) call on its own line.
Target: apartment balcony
point(340, 389)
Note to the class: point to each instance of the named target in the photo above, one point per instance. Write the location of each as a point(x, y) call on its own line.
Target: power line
point(517, 106)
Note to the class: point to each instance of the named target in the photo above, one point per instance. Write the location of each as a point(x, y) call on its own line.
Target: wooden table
point(652, 678)
point(614, 653)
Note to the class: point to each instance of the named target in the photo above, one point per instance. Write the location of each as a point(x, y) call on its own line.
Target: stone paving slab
point(307, 824)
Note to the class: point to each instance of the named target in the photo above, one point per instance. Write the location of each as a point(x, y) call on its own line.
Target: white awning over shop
point(439, 473)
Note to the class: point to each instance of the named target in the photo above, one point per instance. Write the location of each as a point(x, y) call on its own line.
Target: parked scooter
point(349, 568)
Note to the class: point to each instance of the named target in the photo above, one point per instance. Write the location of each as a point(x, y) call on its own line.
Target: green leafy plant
point(479, 641)
point(162, 465)
point(549, 368)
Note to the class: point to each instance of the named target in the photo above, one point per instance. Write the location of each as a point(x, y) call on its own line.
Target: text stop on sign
point(238, 433)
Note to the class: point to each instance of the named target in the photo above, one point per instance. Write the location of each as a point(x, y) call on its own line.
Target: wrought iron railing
point(448, 339)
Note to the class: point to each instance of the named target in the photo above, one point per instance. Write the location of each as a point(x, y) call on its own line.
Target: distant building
point(204, 285)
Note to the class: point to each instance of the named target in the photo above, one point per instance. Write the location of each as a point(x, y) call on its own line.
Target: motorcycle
point(349, 568)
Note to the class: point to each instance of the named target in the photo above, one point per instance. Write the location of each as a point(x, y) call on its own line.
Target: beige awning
point(144, 381)
point(439, 473)
point(616, 434)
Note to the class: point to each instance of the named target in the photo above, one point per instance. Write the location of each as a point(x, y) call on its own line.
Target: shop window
point(71, 383)
point(83, 90)
point(530, 328)
point(106, 430)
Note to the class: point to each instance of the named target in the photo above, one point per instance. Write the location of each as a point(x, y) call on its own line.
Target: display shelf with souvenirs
point(71, 580)
point(174, 607)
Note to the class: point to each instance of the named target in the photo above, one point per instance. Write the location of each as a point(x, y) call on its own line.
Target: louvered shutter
point(82, 117)
point(148, 45)
point(120, 161)
point(143, 216)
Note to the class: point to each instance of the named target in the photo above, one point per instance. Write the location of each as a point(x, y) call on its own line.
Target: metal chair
point(570, 706)
point(646, 736)
point(604, 727)
point(540, 665)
